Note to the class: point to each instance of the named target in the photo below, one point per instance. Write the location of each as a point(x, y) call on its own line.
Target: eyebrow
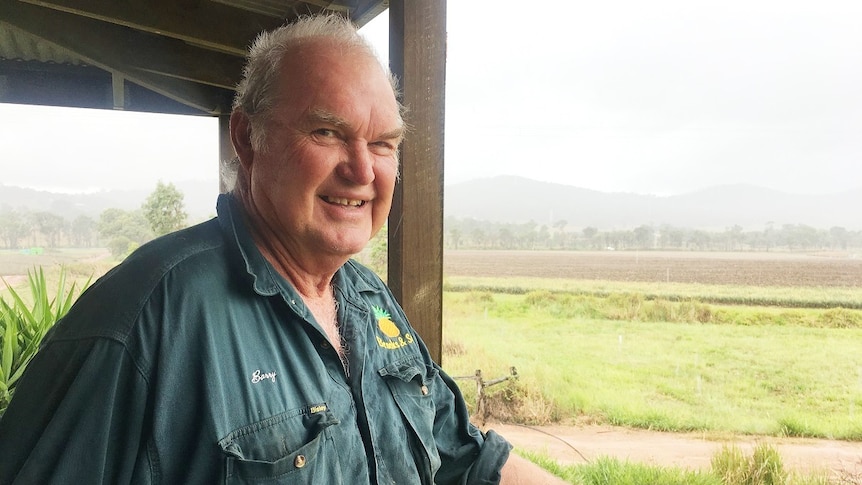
point(323, 116)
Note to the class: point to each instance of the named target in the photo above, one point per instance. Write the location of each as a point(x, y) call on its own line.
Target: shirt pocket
point(411, 383)
point(293, 447)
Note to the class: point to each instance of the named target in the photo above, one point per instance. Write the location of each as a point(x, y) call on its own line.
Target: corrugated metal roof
point(189, 51)
point(285, 8)
point(18, 45)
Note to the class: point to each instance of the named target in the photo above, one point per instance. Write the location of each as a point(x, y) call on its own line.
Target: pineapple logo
point(384, 322)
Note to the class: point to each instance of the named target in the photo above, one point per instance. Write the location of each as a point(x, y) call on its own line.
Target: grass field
point(763, 379)
point(79, 262)
point(727, 344)
point(599, 350)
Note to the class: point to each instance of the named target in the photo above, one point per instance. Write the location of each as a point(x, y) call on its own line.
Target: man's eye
point(382, 147)
point(324, 133)
point(381, 144)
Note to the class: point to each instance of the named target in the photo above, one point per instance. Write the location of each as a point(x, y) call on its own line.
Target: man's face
point(324, 182)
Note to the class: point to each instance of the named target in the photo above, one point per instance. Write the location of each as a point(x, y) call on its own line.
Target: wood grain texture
point(418, 58)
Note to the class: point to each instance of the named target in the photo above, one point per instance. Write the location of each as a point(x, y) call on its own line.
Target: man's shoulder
point(177, 246)
point(111, 305)
point(190, 250)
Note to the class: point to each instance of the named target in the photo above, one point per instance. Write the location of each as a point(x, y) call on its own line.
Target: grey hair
point(256, 92)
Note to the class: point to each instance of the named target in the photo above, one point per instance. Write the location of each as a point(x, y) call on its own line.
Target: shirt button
point(424, 390)
point(299, 461)
point(324, 344)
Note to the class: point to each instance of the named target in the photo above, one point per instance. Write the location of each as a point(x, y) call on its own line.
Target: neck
point(310, 274)
point(311, 281)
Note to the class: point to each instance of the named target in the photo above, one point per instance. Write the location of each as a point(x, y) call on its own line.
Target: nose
point(359, 165)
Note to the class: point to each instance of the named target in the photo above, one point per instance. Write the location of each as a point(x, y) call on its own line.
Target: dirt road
point(580, 444)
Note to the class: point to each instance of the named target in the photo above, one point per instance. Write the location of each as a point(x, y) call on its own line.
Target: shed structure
point(186, 56)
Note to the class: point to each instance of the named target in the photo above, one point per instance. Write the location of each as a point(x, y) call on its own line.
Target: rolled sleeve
point(468, 456)
point(493, 455)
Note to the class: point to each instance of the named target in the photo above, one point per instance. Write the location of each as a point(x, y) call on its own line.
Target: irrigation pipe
point(554, 436)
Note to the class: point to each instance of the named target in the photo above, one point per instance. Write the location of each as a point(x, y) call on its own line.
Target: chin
point(347, 247)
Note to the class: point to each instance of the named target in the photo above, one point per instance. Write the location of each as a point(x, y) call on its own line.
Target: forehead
point(320, 75)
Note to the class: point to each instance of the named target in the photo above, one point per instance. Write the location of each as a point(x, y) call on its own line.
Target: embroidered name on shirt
point(317, 409)
point(393, 344)
point(394, 340)
point(257, 376)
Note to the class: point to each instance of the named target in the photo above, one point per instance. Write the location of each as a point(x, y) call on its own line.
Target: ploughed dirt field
point(737, 268)
point(582, 443)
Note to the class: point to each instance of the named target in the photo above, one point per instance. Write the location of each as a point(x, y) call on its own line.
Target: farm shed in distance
point(185, 57)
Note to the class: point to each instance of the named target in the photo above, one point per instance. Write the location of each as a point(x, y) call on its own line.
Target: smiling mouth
point(343, 201)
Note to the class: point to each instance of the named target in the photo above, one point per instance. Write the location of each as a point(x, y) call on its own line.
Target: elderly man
point(250, 348)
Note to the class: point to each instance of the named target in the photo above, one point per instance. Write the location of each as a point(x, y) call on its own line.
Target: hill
point(199, 198)
point(510, 199)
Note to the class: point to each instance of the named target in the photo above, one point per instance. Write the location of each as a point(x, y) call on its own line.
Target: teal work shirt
point(193, 361)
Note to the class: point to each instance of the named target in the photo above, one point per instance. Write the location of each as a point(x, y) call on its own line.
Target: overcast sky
point(659, 97)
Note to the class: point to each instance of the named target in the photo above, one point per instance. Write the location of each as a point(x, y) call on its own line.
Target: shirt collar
point(265, 280)
point(232, 219)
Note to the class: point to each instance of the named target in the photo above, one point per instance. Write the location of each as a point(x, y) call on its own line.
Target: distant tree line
point(119, 230)
point(470, 233)
point(123, 230)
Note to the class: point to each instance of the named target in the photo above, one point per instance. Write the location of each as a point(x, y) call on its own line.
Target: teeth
point(341, 201)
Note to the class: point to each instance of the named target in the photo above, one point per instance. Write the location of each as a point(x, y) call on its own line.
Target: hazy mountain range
point(511, 199)
point(199, 198)
point(516, 199)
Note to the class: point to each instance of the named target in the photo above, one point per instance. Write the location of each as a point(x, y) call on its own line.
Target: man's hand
point(519, 471)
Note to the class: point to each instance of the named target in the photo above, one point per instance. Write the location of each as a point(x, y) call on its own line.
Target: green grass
point(782, 296)
point(764, 379)
point(730, 466)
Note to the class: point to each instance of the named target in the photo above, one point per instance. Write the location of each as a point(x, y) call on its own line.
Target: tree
point(589, 233)
point(671, 237)
point(50, 226)
point(13, 227)
point(734, 236)
point(560, 232)
point(505, 238)
point(479, 237)
point(124, 230)
point(83, 229)
point(543, 237)
point(643, 236)
point(454, 238)
point(838, 236)
point(164, 209)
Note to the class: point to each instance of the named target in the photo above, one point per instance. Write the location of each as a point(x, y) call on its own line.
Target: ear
point(240, 137)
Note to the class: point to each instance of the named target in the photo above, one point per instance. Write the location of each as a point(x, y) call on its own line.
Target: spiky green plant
point(23, 324)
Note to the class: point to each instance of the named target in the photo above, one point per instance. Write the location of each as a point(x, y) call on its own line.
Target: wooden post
point(118, 91)
point(417, 52)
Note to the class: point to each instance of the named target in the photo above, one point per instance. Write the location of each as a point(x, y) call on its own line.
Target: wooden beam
point(365, 10)
point(77, 86)
point(118, 91)
point(187, 21)
point(126, 52)
point(417, 49)
point(127, 47)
